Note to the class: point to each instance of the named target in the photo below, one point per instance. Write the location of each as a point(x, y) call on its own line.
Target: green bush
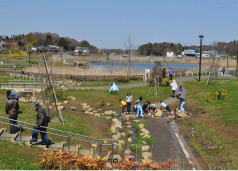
point(150, 81)
point(59, 93)
point(122, 79)
point(134, 78)
point(165, 82)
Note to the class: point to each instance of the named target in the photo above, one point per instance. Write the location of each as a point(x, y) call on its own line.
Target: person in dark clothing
point(223, 70)
point(41, 120)
point(164, 73)
point(11, 109)
point(145, 107)
point(128, 102)
point(182, 102)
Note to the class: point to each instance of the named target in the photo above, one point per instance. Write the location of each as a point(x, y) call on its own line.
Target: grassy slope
point(17, 157)
point(216, 124)
point(94, 97)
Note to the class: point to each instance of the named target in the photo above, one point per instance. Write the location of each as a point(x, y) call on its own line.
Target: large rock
point(159, 113)
point(129, 140)
point(145, 131)
point(117, 136)
point(65, 102)
point(146, 136)
point(121, 142)
point(108, 112)
point(114, 129)
point(128, 123)
point(61, 107)
point(137, 120)
point(141, 125)
point(130, 132)
point(182, 115)
point(128, 152)
point(123, 134)
point(145, 148)
point(146, 155)
point(128, 126)
point(141, 134)
point(108, 117)
point(86, 107)
point(129, 157)
point(97, 115)
point(117, 157)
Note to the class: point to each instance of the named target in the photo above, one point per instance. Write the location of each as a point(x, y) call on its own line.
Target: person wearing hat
point(11, 109)
point(41, 120)
point(16, 95)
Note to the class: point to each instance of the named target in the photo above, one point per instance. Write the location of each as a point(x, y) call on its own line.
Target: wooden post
point(53, 90)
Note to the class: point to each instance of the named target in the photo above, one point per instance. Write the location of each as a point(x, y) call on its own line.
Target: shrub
point(165, 82)
point(221, 94)
point(59, 93)
point(134, 78)
point(150, 81)
point(209, 97)
point(122, 79)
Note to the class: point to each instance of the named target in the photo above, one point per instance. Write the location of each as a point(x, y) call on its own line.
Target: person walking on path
point(170, 74)
point(41, 120)
point(11, 109)
point(180, 91)
point(163, 105)
point(123, 105)
point(164, 73)
point(139, 108)
point(128, 102)
point(182, 102)
point(174, 87)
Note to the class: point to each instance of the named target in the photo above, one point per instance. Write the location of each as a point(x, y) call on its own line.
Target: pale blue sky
point(107, 23)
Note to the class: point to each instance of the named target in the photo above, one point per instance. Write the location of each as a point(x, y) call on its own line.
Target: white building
point(170, 54)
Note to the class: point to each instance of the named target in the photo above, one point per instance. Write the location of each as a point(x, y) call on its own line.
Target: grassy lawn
point(94, 97)
point(18, 157)
point(215, 123)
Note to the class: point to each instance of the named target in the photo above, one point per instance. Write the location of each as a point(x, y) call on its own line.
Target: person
point(223, 70)
point(163, 105)
point(114, 88)
point(123, 105)
point(174, 87)
point(170, 74)
point(11, 109)
point(41, 120)
point(128, 102)
point(164, 73)
point(182, 102)
point(16, 95)
point(180, 91)
point(145, 107)
point(139, 108)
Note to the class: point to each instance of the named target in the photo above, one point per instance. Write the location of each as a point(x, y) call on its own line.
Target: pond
point(139, 66)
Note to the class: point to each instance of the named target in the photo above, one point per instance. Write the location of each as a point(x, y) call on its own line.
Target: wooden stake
point(53, 90)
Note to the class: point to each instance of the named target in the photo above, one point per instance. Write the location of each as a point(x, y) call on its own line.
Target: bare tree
point(129, 44)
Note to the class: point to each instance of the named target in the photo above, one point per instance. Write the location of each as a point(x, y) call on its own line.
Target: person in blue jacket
point(16, 95)
point(180, 91)
point(114, 88)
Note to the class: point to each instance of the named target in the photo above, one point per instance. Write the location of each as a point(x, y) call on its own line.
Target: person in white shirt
point(163, 105)
point(174, 87)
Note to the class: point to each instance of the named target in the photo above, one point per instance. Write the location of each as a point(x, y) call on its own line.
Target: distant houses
point(81, 50)
point(170, 54)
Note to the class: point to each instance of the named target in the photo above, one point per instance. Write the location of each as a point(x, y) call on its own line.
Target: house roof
point(9, 44)
point(3, 36)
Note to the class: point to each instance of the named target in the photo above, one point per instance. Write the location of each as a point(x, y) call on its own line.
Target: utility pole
point(200, 62)
point(61, 54)
point(30, 56)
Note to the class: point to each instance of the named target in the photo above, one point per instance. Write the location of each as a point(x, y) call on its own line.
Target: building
point(204, 55)
point(170, 54)
point(81, 50)
point(3, 39)
point(188, 52)
point(53, 49)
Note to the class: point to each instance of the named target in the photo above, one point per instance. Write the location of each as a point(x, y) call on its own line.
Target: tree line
point(48, 38)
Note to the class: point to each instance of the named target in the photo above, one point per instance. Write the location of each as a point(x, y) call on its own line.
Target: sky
point(107, 23)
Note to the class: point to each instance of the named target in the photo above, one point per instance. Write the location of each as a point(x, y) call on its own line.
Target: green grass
point(17, 157)
point(215, 124)
point(94, 97)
